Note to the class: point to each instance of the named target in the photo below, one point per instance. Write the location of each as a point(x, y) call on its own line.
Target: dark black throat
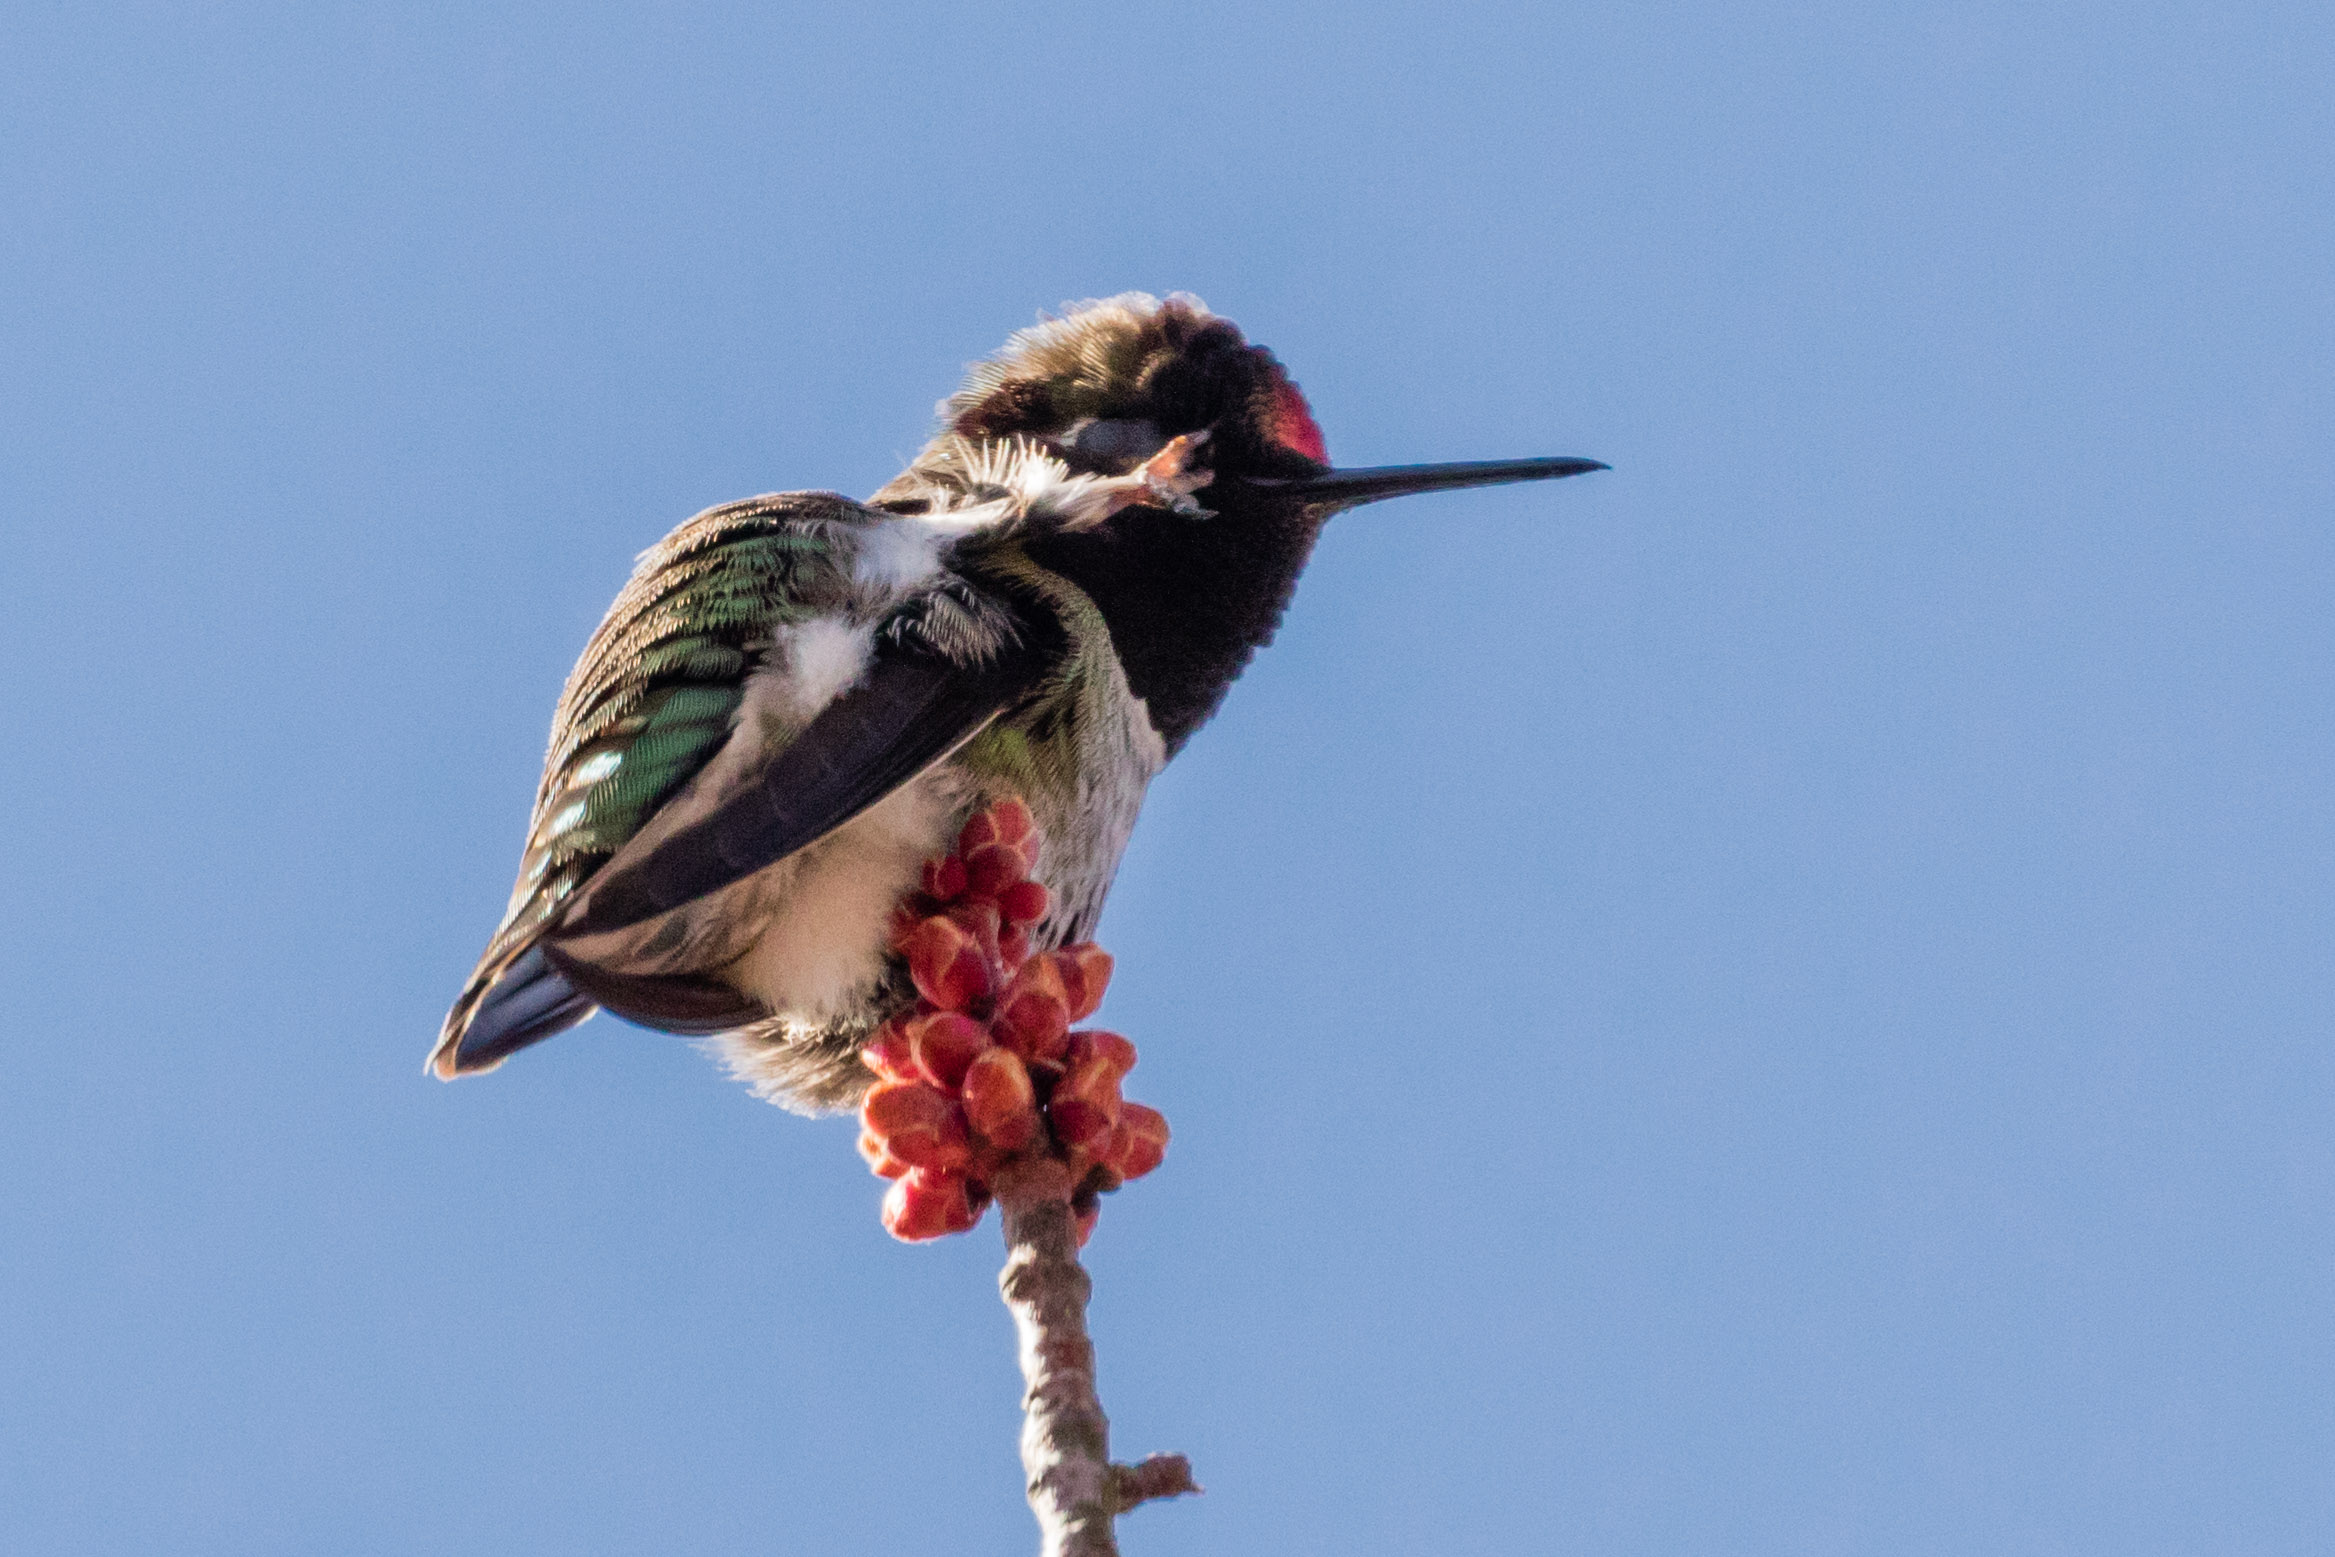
point(1188, 601)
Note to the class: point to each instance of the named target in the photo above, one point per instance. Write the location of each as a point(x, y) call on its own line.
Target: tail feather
point(527, 1002)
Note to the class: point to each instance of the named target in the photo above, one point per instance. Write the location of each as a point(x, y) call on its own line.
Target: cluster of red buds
point(986, 1068)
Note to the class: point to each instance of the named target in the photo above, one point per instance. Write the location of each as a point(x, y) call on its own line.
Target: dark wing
point(650, 704)
point(646, 707)
point(911, 709)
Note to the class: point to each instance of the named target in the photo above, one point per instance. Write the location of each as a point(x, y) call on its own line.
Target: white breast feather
point(823, 950)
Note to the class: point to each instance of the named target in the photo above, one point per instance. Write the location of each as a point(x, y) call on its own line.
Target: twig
point(1074, 1488)
point(1159, 1476)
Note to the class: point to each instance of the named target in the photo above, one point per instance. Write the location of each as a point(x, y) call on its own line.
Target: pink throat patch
point(1292, 426)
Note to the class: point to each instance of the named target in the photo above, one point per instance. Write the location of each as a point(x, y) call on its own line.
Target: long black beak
point(1351, 488)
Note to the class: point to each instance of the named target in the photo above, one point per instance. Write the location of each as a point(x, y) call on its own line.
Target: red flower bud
point(1085, 1105)
point(1023, 902)
point(918, 1123)
point(924, 1204)
point(1008, 821)
point(1106, 1047)
point(1139, 1141)
point(887, 1052)
point(1086, 972)
point(992, 867)
point(881, 1162)
point(944, 1044)
point(999, 1100)
point(1033, 1011)
point(981, 921)
point(944, 878)
point(962, 1076)
point(1014, 823)
point(946, 963)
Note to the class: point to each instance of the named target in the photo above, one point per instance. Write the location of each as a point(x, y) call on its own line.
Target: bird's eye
point(1114, 440)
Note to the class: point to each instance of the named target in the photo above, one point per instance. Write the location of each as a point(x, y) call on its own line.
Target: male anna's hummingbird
point(798, 699)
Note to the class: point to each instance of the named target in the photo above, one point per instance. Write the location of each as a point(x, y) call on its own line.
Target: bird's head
point(1104, 387)
point(1190, 590)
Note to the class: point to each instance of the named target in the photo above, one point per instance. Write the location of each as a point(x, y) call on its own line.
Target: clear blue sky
point(1773, 1001)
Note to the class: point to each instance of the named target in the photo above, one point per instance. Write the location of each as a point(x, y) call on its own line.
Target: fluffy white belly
point(821, 950)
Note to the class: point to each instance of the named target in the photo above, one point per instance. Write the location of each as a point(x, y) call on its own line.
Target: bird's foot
point(1166, 480)
point(1168, 477)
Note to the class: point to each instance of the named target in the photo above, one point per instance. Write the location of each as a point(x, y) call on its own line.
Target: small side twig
point(1074, 1489)
point(1159, 1476)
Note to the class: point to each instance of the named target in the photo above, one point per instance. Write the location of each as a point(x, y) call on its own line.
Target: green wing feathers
point(653, 696)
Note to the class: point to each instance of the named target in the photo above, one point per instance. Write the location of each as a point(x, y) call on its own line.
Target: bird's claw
point(1169, 478)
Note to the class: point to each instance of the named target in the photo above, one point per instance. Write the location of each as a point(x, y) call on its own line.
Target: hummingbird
point(798, 699)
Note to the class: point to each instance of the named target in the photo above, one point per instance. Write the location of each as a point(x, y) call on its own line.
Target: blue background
point(1772, 1001)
